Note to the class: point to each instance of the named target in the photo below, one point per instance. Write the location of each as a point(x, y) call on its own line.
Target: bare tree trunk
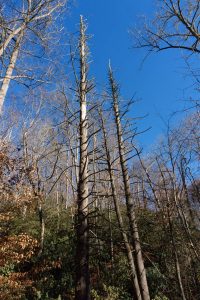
point(9, 71)
point(129, 201)
point(82, 291)
point(129, 254)
point(15, 32)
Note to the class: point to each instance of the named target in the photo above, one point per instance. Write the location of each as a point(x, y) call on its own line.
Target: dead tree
point(82, 291)
point(129, 254)
point(126, 181)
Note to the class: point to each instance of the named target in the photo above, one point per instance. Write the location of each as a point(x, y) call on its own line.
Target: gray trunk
point(129, 201)
point(82, 291)
point(130, 258)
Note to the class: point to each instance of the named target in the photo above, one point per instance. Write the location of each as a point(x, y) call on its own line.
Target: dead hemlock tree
point(123, 157)
point(24, 26)
point(82, 291)
point(108, 158)
point(176, 26)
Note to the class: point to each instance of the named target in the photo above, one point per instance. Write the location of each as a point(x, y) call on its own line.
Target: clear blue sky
point(159, 82)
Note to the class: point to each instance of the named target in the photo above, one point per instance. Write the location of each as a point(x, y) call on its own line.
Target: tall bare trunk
point(9, 71)
point(129, 201)
point(82, 252)
point(129, 254)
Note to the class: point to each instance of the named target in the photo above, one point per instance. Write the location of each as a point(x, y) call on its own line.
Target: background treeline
point(86, 213)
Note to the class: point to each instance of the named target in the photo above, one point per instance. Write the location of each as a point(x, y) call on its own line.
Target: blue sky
point(160, 82)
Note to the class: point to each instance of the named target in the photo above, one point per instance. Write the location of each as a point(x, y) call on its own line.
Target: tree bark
point(9, 71)
point(82, 291)
point(15, 32)
point(129, 201)
point(129, 254)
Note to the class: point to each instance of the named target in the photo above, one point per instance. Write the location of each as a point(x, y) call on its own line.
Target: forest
point(86, 212)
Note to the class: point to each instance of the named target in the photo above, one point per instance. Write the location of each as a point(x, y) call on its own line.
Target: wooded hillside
point(85, 211)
